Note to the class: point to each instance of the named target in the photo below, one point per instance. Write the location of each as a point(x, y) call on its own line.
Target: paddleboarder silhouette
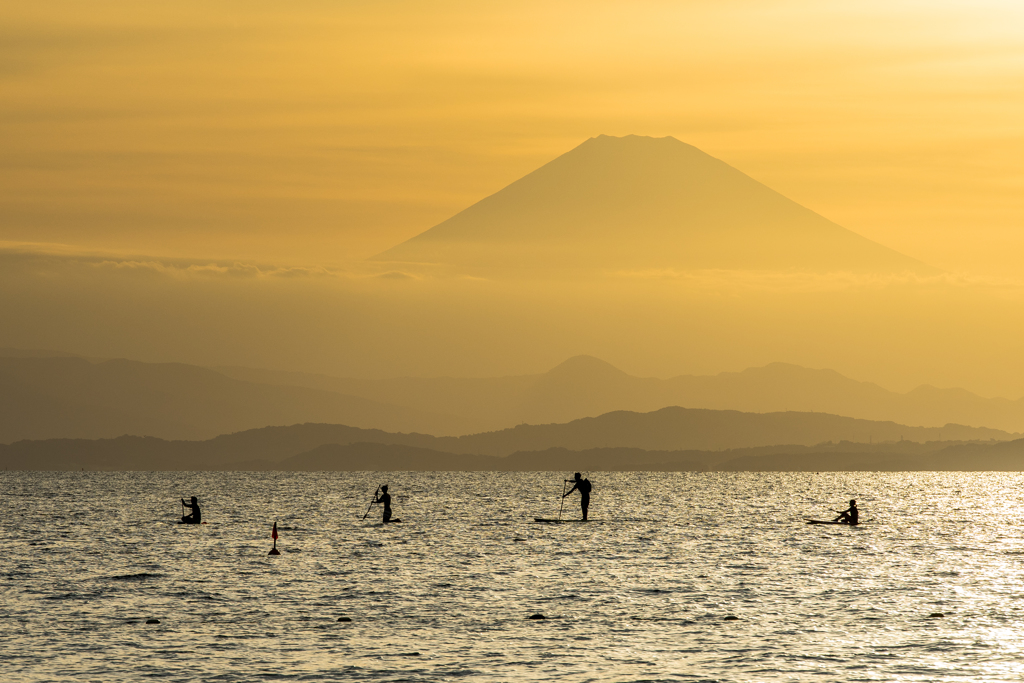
point(584, 487)
point(384, 498)
point(850, 515)
point(196, 516)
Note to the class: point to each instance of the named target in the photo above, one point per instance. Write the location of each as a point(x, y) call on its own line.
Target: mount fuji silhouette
point(642, 203)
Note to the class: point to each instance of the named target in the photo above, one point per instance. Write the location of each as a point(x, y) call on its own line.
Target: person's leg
point(585, 505)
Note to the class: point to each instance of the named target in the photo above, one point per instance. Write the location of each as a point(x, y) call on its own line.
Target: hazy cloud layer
point(900, 332)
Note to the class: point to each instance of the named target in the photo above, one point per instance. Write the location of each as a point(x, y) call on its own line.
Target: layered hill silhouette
point(641, 203)
point(43, 397)
point(668, 439)
point(585, 386)
point(50, 397)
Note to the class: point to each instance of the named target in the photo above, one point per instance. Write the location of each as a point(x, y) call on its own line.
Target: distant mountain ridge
point(584, 386)
point(640, 203)
point(53, 397)
point(60, 396)
point(671, 439)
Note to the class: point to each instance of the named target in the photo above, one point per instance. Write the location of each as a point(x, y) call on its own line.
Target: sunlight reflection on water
point(640, 593)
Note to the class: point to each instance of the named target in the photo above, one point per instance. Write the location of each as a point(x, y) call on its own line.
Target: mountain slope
point(74, 398)
point(584, 386)
point(312, 446)
point(644, 203)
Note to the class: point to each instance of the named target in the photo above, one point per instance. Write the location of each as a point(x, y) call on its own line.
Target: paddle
point(372, 501)
point(562, 504)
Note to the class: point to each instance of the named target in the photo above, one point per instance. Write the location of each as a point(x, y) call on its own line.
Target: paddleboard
point(821, 521)
point(393, 521)
point(557, 521)
point(191, 523)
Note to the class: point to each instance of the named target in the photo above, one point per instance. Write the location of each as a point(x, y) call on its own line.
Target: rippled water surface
point(677, 577)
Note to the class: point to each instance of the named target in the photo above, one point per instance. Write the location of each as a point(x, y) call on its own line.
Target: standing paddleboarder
point(584, 487)
point(196, 517)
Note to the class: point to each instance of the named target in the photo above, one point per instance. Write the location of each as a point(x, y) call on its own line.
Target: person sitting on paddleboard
point(583, 486)
point(850, 515)
point(384, 498)
point(197, 516)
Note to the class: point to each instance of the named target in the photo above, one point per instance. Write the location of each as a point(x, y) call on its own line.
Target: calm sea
point(679, 577)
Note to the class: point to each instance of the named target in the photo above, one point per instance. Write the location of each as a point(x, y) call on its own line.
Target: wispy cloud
point(235, 269)
point(797, 281)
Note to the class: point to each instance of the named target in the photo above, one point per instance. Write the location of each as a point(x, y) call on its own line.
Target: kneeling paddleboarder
point(850, 515)
point(384, 498)
point(196, 516)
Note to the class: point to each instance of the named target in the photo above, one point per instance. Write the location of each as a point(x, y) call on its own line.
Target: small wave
point(675, 620)
point(65, 596)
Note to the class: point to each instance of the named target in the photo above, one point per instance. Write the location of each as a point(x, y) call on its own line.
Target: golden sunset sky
point(316, 132)
point(312, 135)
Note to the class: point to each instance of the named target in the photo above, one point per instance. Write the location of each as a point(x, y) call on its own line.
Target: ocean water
point(678, 577)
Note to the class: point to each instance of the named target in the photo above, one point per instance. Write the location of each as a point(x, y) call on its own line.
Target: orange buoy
point(273, 534)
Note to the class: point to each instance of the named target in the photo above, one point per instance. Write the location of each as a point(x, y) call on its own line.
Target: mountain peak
point(636, 202)
point(584, 367)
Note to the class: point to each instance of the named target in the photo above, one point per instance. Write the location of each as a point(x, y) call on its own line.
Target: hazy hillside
point(489, 403)
point(71, 397)
point(584, 386)
point(685, 428)
point(679, 430)
point(149, 454)
point(644, 203)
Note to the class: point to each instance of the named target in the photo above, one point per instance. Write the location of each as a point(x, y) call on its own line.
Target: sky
point(190, 140)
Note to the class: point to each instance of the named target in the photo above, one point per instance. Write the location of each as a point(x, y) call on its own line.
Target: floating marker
point(152, 621)
point(344, 618)
point(536, 616)
point(936, 615)
point(273, 534)
point(732, 617)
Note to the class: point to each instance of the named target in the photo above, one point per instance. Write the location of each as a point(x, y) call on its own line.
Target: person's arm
point(574, 487)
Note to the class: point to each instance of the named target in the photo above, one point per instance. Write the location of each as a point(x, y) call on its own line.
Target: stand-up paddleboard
point(559, 521)
point(191, 523)
point(821, 521)
point(393, 521)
